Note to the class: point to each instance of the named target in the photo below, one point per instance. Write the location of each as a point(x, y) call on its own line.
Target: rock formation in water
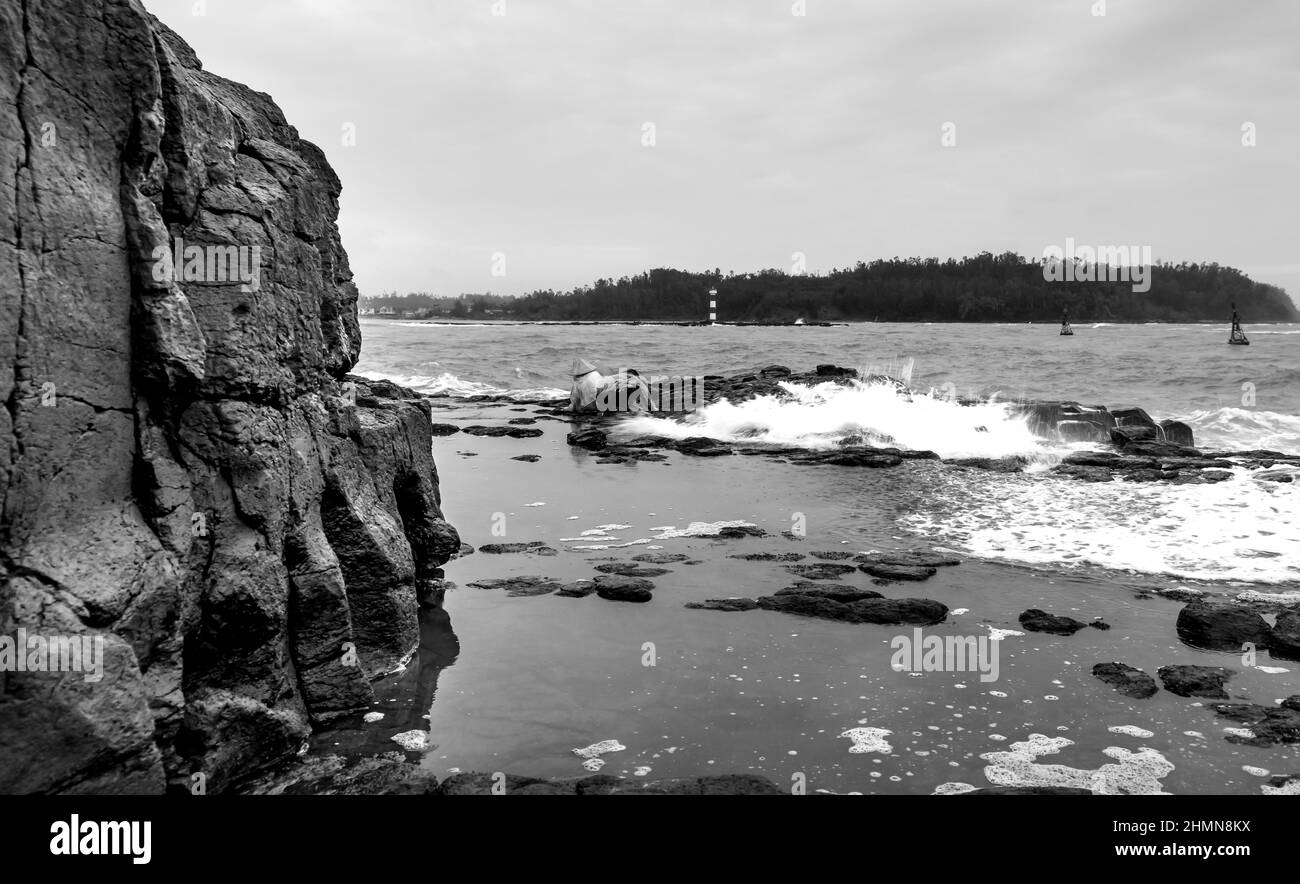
point(187, 476)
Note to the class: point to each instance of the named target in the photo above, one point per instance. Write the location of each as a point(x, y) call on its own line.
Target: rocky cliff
point(185, 471)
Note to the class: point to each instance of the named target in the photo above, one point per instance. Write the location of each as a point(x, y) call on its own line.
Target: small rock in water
point(737, 604)
point(898, 572)
point(578, 589)
point(823, 571)
point(532, 546)
point(631, 569)
point(616, 588)
point(520, 586)
point(768, 557)
point(1128, 680)
point(660, 558)
point(412, 741)
point(1266, 725)
point(1195, 681)
point(1040, 621)
point(1219, 626)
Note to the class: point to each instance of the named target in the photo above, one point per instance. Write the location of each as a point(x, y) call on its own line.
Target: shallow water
point(516, 684)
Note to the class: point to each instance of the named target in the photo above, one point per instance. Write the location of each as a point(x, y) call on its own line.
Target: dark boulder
point(898, 572)
point(1195, 681)
point(1128, 680)
point(444, 429)
point(768, 557)
point(736, 604)
point(497, 432)
point(1178, 433)
point(532, 546)
point(1268, 725)
point(916, 612)
point(660, 558)
point(820, 571)
point(589, 438)
point(838, 593)
point(736, 532)
point(520, 586)
point(1036, 620)
point(701, 446)
point(808, 606)
point(918, 558)
point(1284, 641)
point(1125, 435)
point(1221, 626)
point(1082, 431)
point(578, 589)
point(615, 588)
point(631, 569)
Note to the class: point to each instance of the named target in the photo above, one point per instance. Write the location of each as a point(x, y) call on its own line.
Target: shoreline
point(834, 323)
point(499, 635)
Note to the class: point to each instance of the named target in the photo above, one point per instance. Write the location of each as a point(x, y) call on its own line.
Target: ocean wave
point(1244, 429)
point(822, 416)
point(1240, 529)
point(451, 385)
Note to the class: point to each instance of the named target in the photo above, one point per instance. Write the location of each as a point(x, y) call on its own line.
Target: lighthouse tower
point(713, 306)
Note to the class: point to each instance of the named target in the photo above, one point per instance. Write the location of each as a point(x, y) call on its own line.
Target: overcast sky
point(773, 133)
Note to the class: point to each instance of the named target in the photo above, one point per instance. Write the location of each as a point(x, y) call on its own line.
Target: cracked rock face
point(187, 473)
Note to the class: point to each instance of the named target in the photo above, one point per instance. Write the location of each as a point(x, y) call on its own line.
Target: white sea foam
point(599, 749)
point(456, 387)
point(1230, 530)
point(818, 417)
point(1243, 429)
point(1131, 773)
point(869, 739)
point(1131, 730)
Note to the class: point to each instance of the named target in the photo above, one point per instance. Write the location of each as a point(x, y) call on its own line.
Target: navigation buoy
point(1065, 322)
point(713, 306)
point(1237, 336)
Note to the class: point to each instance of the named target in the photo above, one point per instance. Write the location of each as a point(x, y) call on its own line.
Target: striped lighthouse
point(713, 306)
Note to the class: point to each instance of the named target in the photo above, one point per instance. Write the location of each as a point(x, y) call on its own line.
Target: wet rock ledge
point(186, 472)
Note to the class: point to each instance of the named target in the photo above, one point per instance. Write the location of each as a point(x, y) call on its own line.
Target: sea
point(527, 685)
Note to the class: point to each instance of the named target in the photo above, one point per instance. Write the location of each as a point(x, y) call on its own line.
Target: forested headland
point(984, 288)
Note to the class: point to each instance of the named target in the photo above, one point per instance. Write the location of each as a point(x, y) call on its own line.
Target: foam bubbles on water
point(595, 750)
point(1131, 730)
point(869, 739)
point(699, 529)
point(1230, 530)
point(1131, 773)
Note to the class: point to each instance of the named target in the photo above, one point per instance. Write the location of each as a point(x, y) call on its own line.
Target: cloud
point(775, 133)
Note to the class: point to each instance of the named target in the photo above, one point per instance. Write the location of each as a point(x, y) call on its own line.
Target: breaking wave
point(876, 414)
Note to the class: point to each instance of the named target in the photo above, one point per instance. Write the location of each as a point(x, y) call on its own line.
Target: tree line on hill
point(983, 288)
